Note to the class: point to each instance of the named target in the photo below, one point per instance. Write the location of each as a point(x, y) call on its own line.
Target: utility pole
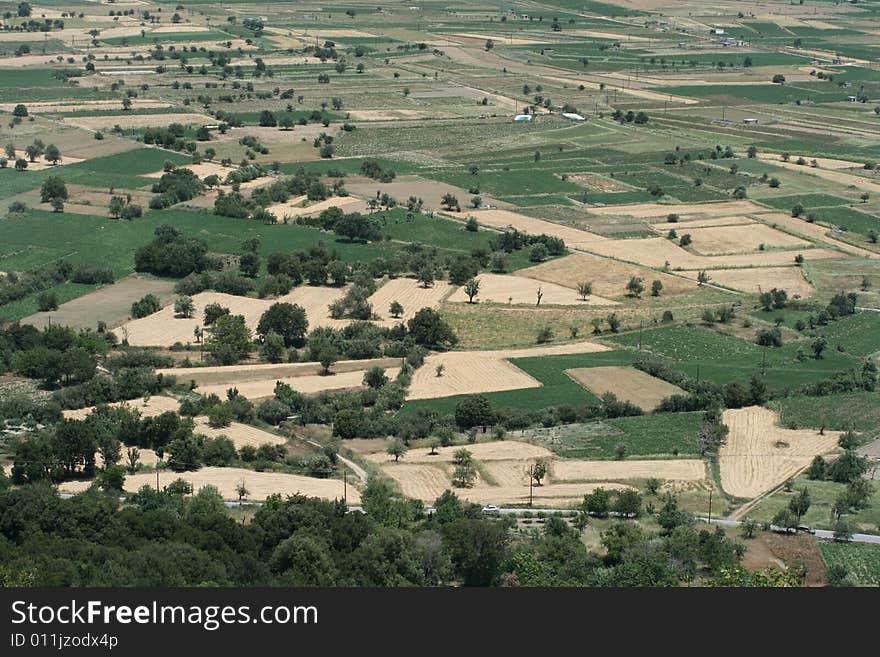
point(344, 487)
point(157, 476)
point(530, 487)
point(710, 506)
point(640, 334)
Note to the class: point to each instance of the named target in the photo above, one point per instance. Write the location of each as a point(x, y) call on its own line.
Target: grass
point(848, 219)
point(658, 435)
point(862, 560)
point(859, 334)
point(823, 494)
point(706, 354)
point(857, 410)
point(557, 387)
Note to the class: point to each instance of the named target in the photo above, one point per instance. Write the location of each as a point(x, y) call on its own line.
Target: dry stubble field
point(626, 383)
point(760, 454)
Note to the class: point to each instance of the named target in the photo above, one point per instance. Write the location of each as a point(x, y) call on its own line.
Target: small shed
point(750, 121)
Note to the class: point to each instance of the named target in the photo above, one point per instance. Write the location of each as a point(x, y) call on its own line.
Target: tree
point(273, 349)
point(472, 289)
point(396, 449)
point(465, 473)
point(396, 309)
point(230, 340)
point(450, 202)
point(778, 79)
point(53, 187)
point(636, 286)
point(474, 411)
point(817, 469)
point(57, 205)
point(428, 328)
point(800, 504)
point(326, 357)
point(20, 111)
point(241, 490)
point(426, 276)
point(843, 530)
point(656, 288)
point(818, 346)
point(375, 378)
point(287, 320)
point(597, 503)
point(585, 289)
point(21, 164)
point(184, 307)
point(613, 322)
point(537, 471)
point(53, 154)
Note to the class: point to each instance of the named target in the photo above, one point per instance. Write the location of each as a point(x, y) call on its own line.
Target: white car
point(490, 508)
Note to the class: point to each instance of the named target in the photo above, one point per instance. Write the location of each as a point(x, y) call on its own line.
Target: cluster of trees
point(175, 186)
point(171, 253)
point(172, 137)
point(233, 204)
point(57, 355)
point(18, 285)
point(173, 538)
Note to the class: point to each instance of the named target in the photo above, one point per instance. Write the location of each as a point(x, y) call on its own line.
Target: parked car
point(490, 508)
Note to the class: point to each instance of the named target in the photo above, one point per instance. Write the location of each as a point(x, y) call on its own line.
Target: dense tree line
point(168, 538)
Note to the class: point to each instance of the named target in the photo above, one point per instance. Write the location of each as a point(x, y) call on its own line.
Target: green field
point(706, 354)
point(856, 410)
point(861, 560)
point(822, 497)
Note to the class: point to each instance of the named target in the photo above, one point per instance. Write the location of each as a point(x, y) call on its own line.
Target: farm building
point(522, 117)
point(750, 121)
point(716, 30)
point(573, 116)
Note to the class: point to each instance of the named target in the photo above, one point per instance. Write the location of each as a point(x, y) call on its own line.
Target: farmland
point(620, 258)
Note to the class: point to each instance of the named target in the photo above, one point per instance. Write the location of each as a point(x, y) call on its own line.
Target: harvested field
point(163, 328)
point(656, 251)
point(670, 470)
point(202, 170)
point(815, 231)
point(501, 450)
point(238, 433)
point(790, 279)
point(686, 225)
point(137, 120)
point(404, 186)
point(77, 106)
point(235, 375)
point(470, 372)
point(661, 210)
point(497, 288)
point(40, 164)
point(292, 207)
point(146, 457)
point(574, 238)
point(760, 454)
point(411, 294)
point(155, 406)
point(111, 304)
point(718, 240)
point(627, 383)
point(596, 181)
point(609, 277)
point(307, 384)
point(427, 482)
point(260, 484)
